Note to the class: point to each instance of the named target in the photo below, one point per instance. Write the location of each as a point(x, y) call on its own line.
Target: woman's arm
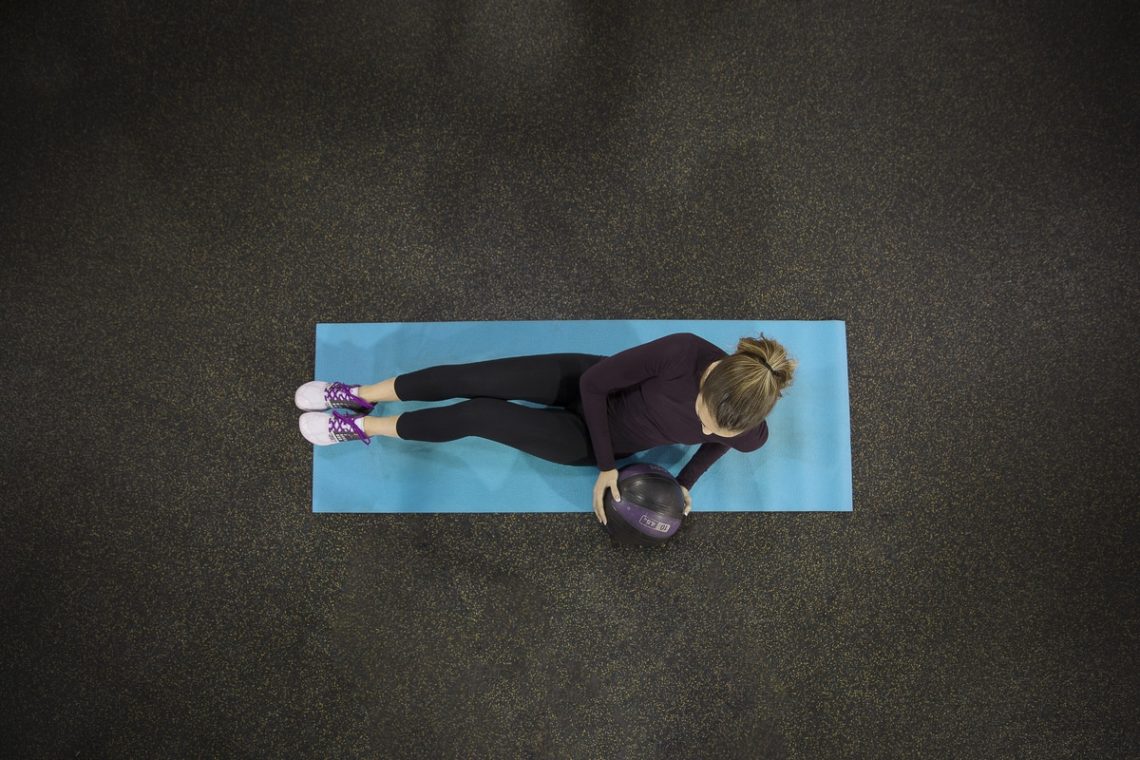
point(706, 455)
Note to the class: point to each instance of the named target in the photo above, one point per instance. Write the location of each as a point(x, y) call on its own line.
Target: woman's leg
point(556, 435)
point(550, 379)
point(379, 425)
point(385, 390)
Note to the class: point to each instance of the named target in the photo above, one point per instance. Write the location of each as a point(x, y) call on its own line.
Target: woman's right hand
point(606, 479)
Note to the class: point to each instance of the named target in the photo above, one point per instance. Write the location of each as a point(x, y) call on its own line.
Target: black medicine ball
point(651, 509)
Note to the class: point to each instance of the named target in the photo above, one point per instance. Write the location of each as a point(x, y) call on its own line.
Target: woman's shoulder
point(684, 352)
point(752, 439)
point(691, 341)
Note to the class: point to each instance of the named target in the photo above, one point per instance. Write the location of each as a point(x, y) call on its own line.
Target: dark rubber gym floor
point(189, 188)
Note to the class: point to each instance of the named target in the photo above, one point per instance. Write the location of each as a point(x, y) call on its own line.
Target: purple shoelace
point(343, 428)
point(340, 396)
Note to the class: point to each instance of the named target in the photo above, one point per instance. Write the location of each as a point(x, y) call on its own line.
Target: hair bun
point(770, 354)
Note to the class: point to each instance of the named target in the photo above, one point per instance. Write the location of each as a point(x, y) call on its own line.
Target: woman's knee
point(479, 409)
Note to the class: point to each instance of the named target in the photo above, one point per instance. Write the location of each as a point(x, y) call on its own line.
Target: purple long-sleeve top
point(646, 396)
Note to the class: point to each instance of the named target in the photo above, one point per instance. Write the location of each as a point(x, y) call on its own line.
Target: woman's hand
point(688, 500)
point(606, 479)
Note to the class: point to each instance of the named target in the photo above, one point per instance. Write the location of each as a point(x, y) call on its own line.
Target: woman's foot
point(326, 429)
point(317, 396)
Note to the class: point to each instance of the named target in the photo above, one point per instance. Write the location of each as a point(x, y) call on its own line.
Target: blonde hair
point(741, 390)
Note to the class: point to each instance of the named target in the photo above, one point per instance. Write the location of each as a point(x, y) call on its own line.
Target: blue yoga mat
point(804, 466)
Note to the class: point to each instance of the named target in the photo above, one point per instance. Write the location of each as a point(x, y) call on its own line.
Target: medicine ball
point(651, 509)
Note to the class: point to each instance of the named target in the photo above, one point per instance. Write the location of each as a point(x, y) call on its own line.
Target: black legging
point(554, 434)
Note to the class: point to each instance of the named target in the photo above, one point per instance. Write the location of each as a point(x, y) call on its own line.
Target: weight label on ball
point(660, 527)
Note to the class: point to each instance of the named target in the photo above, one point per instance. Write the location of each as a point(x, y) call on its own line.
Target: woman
point(676, 389)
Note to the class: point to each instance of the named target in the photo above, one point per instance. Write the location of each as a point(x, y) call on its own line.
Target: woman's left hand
point(688, 500)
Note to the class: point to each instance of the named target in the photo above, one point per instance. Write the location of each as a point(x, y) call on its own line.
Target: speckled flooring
point(188, 188)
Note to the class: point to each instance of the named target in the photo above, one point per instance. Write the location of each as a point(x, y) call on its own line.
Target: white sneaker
point(326, 429)
point(317, 396)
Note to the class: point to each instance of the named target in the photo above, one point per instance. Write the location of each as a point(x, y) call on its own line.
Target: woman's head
point(741, 389)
